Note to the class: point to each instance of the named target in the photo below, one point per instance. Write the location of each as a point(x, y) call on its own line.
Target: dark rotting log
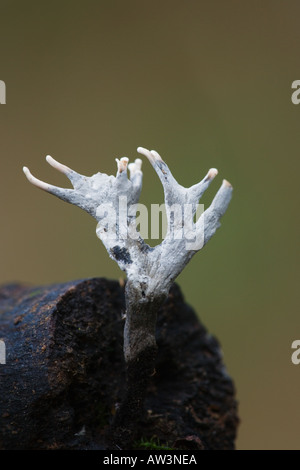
point(64, 374)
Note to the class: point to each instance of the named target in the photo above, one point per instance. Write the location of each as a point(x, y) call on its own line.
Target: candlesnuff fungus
point(113, 202)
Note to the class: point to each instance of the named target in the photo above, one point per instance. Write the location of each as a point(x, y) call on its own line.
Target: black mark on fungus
point(121, 254)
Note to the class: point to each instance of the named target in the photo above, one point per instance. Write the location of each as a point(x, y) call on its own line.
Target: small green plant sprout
point(151, 444)
point(150, 271)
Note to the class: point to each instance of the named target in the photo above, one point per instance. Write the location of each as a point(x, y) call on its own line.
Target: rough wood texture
point(64, 375)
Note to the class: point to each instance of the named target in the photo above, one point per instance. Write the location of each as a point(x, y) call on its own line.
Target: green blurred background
point(206, 84)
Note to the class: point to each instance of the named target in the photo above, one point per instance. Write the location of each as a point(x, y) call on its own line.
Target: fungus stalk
point(150, 271)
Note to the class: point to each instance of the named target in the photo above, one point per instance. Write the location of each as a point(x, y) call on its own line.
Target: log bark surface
point(64, 375)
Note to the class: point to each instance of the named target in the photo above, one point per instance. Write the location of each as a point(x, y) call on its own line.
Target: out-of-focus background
point(206, 84)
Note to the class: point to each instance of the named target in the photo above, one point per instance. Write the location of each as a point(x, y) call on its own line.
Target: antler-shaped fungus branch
point(112, 201)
